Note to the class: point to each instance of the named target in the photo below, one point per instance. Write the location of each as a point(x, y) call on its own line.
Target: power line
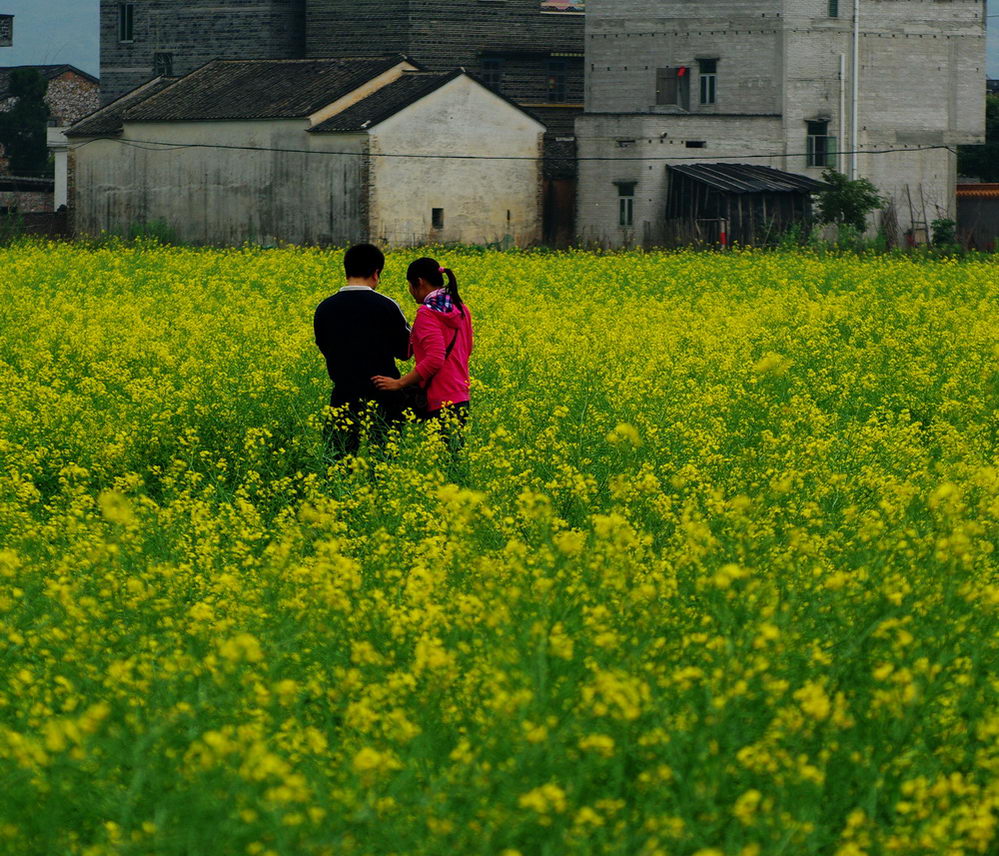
point(161, 146)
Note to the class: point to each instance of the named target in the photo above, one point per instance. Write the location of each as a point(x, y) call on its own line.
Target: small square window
point(162, 64)
point(437, 218)
point(126, 22)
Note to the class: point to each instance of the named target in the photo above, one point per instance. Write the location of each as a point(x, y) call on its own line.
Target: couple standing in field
point(362, 333)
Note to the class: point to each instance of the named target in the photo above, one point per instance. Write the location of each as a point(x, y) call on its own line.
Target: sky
point(52, 32)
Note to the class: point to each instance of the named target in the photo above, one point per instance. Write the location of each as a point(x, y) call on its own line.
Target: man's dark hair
point(362, 260)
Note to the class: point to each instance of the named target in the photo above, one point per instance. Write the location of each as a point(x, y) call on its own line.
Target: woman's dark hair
point(433, 273)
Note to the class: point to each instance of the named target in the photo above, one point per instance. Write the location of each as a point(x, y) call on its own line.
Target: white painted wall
point(219, 195)
point(921, 83)
point(460, 118)
point(59, 146)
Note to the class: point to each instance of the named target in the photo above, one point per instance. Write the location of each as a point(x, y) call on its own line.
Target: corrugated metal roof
point(387, 101)
point(260, 89)
point(978, 191)
point(107, 121)
point(747, 178)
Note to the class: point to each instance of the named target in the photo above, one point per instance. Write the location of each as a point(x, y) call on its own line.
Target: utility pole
point(855, 107)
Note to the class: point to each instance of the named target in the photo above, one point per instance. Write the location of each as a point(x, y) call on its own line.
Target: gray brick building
point(529, 50)
point(797, 85)
point(144, 39)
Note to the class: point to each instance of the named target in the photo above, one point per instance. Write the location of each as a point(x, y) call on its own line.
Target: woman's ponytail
point(452, 289)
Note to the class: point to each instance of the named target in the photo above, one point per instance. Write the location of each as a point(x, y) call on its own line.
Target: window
point(709, 80)
point(833, 8)
point(162, 65)
point(626, 203)
point(820, 148)
point(437, 218)
point(673, 87)
point(492, 72)
point(126, 22)
point(695, 144)
point(557, 78)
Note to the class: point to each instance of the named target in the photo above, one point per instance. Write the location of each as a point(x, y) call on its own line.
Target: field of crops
point(717, 575)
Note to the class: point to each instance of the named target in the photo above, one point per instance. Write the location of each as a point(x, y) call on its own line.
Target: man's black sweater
point(361, 333)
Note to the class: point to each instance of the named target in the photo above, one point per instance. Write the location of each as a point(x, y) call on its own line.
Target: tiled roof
point(108, 120)
point(748, 178)
point(387, 101)
point(978, 191)
point(260, 89)
point(49, 72)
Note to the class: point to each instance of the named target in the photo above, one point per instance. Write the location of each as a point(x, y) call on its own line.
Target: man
point(361, 333)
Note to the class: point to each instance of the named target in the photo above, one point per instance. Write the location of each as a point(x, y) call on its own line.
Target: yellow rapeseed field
point(716, 575)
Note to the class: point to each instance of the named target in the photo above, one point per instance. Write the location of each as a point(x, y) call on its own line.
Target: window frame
point(673, 87)
point(557, 77)
point(833, 9)
point(161, 67)
point(626, 203)
point(819, 155)
point(707, 70)
point(126, 23)
point(492, 72)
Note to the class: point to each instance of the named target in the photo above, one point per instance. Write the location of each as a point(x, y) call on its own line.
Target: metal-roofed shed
point(735, 203)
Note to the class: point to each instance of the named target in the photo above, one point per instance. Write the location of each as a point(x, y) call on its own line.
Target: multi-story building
point(143, 39)
point(881, 89)
point(529, 50)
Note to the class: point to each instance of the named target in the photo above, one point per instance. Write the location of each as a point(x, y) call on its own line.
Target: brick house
point(529, 50)
point(797, 85)
point(307, 151)
point(72, 93)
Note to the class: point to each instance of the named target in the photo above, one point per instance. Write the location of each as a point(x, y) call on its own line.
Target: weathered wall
point(71, 97)
point(460, 118)
point(630, 148)
point(921, 83)
point(220, 196)
point(195, 32)
point(25, 202)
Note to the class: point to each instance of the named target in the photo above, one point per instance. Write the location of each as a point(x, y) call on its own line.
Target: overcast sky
point(50, 32)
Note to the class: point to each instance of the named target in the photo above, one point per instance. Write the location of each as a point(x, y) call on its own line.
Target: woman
point(442, 342)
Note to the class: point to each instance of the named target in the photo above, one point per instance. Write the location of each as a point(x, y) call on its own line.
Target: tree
point(982, 161)
point(22, 127)
point(847, 202)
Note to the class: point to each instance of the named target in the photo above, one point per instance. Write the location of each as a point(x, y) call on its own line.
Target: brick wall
point(195, 32)
point(447, 33)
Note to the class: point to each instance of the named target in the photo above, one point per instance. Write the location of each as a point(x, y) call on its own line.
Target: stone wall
point(71, 97)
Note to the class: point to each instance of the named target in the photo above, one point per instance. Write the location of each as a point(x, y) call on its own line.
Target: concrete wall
point(630, 148)
point(921, 84)
point(220, 196)
point(460, 118)
point(195, 32)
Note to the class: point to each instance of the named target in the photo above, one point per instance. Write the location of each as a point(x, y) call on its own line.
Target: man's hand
point(387, 384)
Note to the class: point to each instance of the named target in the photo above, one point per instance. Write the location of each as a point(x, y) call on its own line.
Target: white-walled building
point(313, 152)
point(797, 85)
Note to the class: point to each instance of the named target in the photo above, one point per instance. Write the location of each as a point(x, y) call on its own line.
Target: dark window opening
point(626, 203)
point(820, 148)
point(437, 218)
point(696, 144)
point(492, 72)
point(709, 80)
point(126, 22)
point(558, 77)
point(833, 8)
point(162, 65)
point(673, 87)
